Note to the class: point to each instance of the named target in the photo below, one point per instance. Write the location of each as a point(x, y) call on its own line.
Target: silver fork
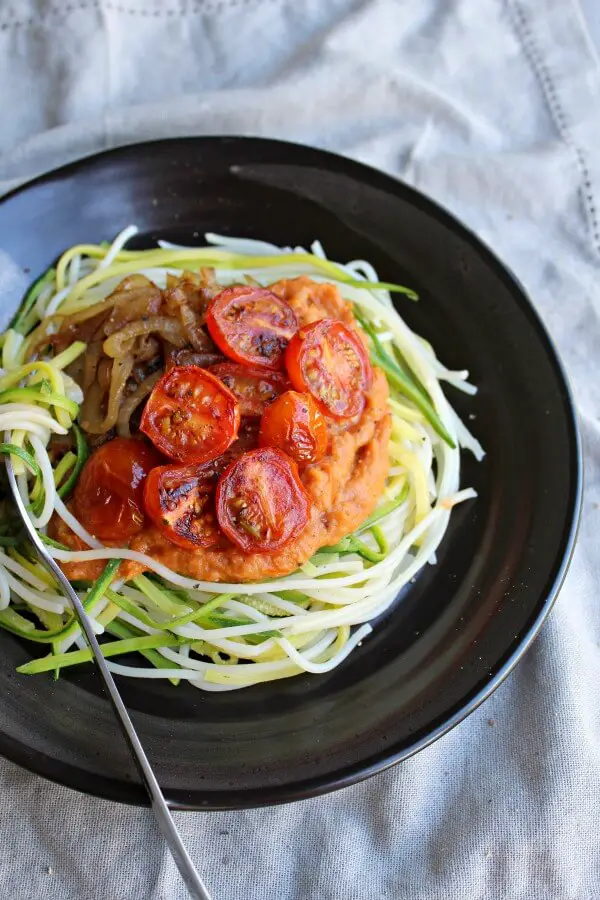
point(162, 812)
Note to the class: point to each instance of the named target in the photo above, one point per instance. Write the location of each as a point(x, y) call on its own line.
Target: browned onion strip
point(121, 370)
point(39, 336)
point(133, 282)
point(186, 357)
point(104, 373)
point(76, 369)
point(131, 305)
point(120, 343)
point(90, 367)
point(90, 413)
point(208, 280)
point(130, 404)
point(192, 325)
point(188, 299)
point(146, 348)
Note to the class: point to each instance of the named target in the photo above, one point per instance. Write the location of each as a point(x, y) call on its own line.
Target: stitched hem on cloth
point(208, 6)
point(525, 33)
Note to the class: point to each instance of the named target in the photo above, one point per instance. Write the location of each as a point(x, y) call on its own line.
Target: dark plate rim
point(132, 793)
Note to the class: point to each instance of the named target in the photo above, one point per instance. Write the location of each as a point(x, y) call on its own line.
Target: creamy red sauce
point(344, 486)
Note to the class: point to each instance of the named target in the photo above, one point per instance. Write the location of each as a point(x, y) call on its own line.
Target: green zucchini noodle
point(218, 636)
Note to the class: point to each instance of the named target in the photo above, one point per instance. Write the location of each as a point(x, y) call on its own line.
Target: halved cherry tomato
point(108, 496)
point(260, 501)
point(329, 360)
point(253, 388)
point(180, 502)
point(295, 424)
point(252, 326)
point(191, 416)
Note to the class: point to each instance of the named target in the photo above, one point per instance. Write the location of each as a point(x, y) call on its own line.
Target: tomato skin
point(190, 415)
point(260, 501)
point(179, 500)
point(252, 326)
point(108, 496)
point(295, 424)
point(328, 360)
point(253, 388)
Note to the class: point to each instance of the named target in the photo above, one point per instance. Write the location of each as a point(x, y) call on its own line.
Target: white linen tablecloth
point(493, 108)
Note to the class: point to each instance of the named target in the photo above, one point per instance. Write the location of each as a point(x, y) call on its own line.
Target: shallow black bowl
point(457, 631)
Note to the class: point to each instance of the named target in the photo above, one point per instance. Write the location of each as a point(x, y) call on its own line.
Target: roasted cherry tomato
point(252, 326)
point(329, 360)
point(253, 388)
point(180, 502)
point(191, 416)
point(108, 496)
point(294, 424)
point(260, 501)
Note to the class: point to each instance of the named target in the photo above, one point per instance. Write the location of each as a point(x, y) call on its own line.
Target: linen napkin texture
point(493, 108)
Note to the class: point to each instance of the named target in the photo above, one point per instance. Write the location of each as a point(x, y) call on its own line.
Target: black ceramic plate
point(458, 631)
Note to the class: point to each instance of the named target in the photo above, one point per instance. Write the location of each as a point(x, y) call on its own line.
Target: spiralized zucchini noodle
point(59, 368)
